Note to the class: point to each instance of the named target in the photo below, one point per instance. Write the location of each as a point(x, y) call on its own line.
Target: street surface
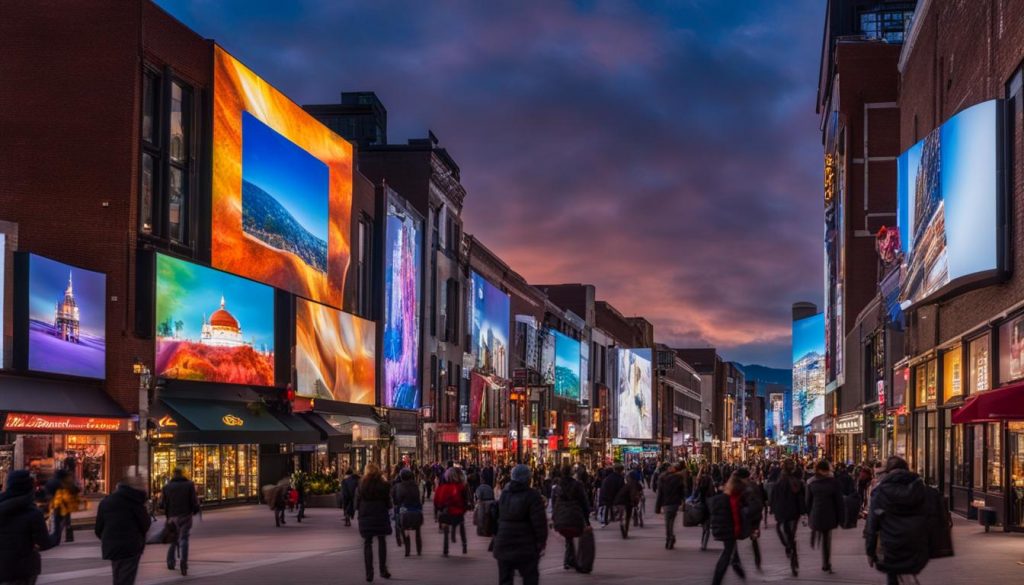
point(242, 546)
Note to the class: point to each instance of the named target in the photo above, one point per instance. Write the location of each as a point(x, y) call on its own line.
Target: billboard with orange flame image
point(334, 354)
point(282, 188)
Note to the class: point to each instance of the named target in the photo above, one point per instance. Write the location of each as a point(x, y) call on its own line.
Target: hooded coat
point(787, 498)
point(522, 524)
point(373, 500)
point(122, 522)
point(896, 535)
point(22, 529)
point(824, 503)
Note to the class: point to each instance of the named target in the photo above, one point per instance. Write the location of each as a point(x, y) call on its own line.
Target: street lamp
point(142, 371)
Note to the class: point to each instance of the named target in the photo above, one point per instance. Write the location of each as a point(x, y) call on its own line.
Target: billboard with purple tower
point(402, 261)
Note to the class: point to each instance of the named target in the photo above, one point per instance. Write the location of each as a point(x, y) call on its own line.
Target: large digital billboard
point(808, 370)
point(547, 358)
point(636, 417)
point(212, 326)
point(490, 327)
point(334, 354)
point(403, 254)
point(282, 188)
point(948, 205)
point(567, 366)
point(67, 319)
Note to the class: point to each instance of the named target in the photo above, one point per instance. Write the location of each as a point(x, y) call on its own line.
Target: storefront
point(41, 435)
point(849, 437)
point(349, 439)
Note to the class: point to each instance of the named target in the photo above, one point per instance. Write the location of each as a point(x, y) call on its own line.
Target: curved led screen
point(282, 188)
point(212, 326)
point(334, 354)
point(948, 205)
point(635, 408)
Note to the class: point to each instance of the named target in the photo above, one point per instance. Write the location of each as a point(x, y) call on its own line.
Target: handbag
point(162, 532)
point(695, 513)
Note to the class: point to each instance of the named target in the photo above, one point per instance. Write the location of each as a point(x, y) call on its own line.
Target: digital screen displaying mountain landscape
point(947, 204)
point(401, 344)
point(808, 369)
point(67, 319)
point(335, 354)
point(567, 366)
point(634, 394)
point(491, 315)
point(212, 326)
point(284, 194)
point(282, 189)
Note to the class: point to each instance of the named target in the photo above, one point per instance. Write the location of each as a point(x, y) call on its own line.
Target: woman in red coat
point(452, 500)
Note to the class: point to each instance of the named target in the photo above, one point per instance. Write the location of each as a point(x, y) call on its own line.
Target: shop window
point(1011, 348)
point(979, 457)
point(926, 383)
point(979, 350)
point(957, 456)
point(995, 456)
point(952, 374)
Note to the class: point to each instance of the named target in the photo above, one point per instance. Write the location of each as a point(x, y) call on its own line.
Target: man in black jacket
point(22, 531)
point(787, 505)
point(121, 525)
point(824, 509)
point(896, 536)
point(522, 530)
point(180, 503)
point(613, 482)
point(671, 493)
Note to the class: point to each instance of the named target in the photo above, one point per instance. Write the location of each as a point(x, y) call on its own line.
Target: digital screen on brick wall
point(334, 354)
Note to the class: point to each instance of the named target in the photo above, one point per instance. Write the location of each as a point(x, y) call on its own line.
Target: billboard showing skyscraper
point(808, 369)
point(491, 319)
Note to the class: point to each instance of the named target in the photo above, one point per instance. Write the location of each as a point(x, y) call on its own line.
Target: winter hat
point(521, 473)
point(19, 482)
point(405, 474)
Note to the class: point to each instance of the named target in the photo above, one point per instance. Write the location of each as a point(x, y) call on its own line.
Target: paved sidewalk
point(242, 546)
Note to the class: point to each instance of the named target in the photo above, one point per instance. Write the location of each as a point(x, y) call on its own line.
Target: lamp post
point(145, 378)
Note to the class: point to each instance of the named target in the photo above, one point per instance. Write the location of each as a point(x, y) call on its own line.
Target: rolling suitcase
point(585, 551)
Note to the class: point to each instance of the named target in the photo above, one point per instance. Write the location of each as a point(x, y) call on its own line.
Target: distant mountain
point(768, 375)
point(268, 221)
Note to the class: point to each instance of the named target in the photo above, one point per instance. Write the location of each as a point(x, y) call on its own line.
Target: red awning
point(995, 405)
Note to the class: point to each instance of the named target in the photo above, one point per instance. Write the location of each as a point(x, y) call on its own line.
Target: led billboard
point(490, 327)
point(547, 358)
point(212, 326)
point(808, 370)
point(282, 188)
point(403, 254)
point(567, 366)
point(67, 319)
point(948, 205)
point(334, 354)
point(636, 418)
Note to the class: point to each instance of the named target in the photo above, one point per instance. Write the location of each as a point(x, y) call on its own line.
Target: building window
point(995, 456)
point(979, 456)
point(952, 374)
point(364, 267)
point(166, 169)
point(889, 25)
point(979, 349)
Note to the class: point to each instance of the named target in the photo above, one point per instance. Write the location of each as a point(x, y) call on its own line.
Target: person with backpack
point(787, 505)
point(824, 509)
point(484, 498)
point(729, 525)
point(121, 525)
point(452, 499)
point(896, 537)
point(522, 533)
point(570, 513)
point(406, 497)
point(671, 492)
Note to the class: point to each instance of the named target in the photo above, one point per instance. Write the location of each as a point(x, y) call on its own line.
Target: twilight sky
point(666, 152)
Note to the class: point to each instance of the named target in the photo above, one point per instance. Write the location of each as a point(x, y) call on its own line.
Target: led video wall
point(490, 326)
point(67, 317)
point(403, 255)
point(948, 202)
point(212, 326)
point(547, 358)
point(808, 370)
point(636, 417)
point(334, 354)
point(567, 366)
point(282, 188)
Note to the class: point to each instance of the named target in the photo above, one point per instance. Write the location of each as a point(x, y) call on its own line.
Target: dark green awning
point(224, 422)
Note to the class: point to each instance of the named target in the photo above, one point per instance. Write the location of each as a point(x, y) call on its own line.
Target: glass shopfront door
point(1016, 452)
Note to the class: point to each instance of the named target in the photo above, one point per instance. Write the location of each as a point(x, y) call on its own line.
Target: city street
point(241, 546)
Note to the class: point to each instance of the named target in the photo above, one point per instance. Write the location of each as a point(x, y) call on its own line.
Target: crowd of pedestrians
point(513, 507)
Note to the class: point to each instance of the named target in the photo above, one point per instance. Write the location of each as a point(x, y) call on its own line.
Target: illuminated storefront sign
point(850, 424)
point(232, 420)
point(17, 421)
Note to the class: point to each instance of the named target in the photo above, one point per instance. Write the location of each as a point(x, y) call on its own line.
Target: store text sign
point(17, 421)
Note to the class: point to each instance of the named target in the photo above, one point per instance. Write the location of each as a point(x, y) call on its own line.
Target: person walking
point(522, 529)
point(63, 493)
point(896, 536)
point(728, 525)
point(610, 487)
point(373, 502)
point(277, 499)
point(349, 485)
point(453, 500)
point(671, 492)
point(180, 504)
point(824, 509)
point(22, 531)
point(121, 525)
point(406, 496)
point(703, 491)
point(787, 505)
point(570, 513)
point(627, 500)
